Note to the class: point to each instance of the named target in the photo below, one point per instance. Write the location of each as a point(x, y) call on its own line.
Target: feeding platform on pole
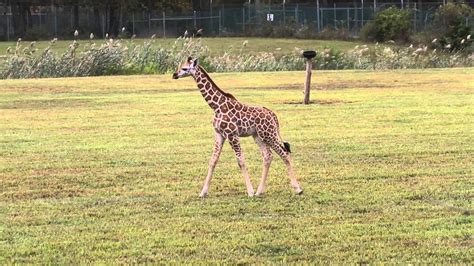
point(307, 85)
point(309, 54)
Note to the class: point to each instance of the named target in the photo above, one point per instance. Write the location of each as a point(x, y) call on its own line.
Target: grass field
point(220, 45)
point(109, 169)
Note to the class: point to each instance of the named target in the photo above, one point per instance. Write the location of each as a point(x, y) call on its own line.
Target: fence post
point(223, 16)
point(149, 23)
point(414, 21)
point(103, 25)
point(220, 21)
point(362, 14)
point(40, 22)
point(322, 18)
point(8, 26)
point(317, 15)
point(243, 19)
point(55, 21)
point(348, 24)
point(297, 13)
point(88, 18)
point(133, 23)
point(164, 24)
point(335, 19)
point(248, 13)
point(120, 17)
point(212, 19)
point(355, 15)
point(194, 19)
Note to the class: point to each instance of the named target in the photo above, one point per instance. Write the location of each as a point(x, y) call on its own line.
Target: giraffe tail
point(286, 147)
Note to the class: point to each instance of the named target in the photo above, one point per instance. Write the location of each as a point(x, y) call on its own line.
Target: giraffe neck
point(213, 95)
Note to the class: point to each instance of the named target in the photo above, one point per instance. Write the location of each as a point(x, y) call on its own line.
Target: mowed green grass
point(108, 170)
point(219, 46)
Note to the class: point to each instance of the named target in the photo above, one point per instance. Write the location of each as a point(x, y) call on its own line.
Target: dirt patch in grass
point(41, 88)
point(45, 104)
point(349, 84)
point(321, 102)
point(326, 86)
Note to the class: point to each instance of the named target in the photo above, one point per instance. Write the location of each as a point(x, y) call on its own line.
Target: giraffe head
point(188, 68)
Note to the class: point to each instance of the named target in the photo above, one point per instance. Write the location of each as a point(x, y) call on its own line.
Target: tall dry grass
point(117, 57)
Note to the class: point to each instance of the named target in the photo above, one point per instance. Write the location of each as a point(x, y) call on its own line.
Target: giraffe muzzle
point(175, 75)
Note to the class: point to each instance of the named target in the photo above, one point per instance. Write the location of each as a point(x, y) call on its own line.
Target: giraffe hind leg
point(285, 156)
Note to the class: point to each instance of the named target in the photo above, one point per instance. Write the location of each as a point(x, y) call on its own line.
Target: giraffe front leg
point(219, 141)
point(235, 143)
point(267, 160)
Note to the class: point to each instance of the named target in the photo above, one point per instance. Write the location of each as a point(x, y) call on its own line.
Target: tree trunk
point(113, 21)
point(257, 9)
point(75, 15)
point(21, 15)
point(97, 29)
point(196, 5)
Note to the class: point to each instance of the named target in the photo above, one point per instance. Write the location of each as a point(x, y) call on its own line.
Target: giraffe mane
point(215, 85)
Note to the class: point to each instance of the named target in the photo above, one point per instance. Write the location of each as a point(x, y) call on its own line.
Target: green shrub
point(449, 27)
point(389, 24)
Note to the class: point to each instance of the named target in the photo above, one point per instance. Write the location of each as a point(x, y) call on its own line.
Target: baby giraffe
point(233, 120)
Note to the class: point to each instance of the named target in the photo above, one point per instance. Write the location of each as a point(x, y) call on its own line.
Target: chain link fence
point(43, 22)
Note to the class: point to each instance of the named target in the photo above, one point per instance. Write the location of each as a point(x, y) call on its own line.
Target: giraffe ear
point(196, 62)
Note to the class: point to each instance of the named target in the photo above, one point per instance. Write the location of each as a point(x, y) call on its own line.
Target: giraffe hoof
point(299, 191)
point(202, 195)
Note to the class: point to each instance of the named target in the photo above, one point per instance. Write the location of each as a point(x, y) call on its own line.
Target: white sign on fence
point(269, 17)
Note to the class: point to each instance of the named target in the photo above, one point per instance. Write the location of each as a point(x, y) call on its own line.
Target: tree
point(21, 14)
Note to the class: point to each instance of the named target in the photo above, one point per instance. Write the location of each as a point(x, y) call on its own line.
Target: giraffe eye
point(184, 68)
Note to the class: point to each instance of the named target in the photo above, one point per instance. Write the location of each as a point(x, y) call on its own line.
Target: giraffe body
point(232, 120)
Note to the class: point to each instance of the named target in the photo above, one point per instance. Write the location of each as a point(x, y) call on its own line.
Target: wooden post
point(307, 84)
point(309, 55)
